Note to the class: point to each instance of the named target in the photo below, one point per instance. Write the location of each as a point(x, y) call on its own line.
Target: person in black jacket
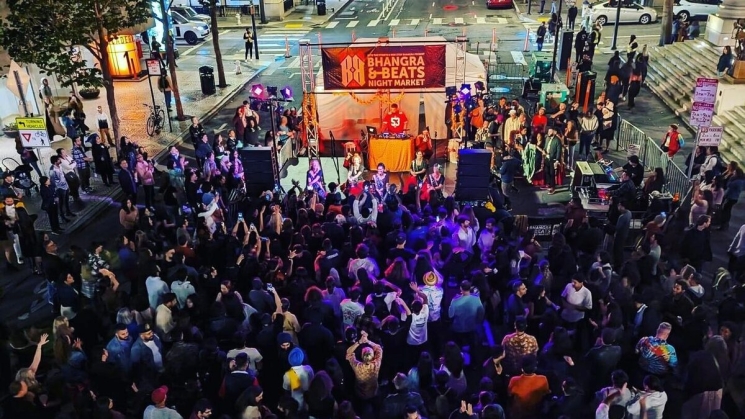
point(102, 160)
point(49, 203)
point(235, 383)
point(128, 182)
point(602, 360)
point(572, 16)
point(196, 130)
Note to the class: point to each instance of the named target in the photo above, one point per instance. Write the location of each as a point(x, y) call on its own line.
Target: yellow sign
point(31, 123)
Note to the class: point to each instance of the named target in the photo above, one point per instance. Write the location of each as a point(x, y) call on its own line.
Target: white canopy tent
point(345, 112)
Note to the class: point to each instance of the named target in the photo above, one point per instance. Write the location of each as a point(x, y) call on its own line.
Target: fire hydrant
point(238, 18)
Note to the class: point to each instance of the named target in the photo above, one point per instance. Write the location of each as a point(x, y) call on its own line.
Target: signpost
point(702, 112)
point(33, 132)
point(155, 68)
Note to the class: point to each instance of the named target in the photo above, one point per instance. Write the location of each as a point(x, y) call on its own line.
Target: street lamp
point(615, 28)
point(253, 27)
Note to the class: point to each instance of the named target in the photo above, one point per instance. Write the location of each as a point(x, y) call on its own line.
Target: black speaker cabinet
point(567, 46)
point(257, 168)
point(585, 90)
point(472, 181)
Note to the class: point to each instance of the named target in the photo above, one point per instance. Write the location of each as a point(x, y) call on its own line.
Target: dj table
point(395, 151)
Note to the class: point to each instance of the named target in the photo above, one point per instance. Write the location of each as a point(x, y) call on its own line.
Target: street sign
point(33, 132)
point(710, 136)
point(701, 114)
point(706, 90)
point(153, 67)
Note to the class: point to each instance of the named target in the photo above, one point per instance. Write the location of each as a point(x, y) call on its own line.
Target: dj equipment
point(257, 168)
point(582, 95)
point(472, 181)
point(389, 135)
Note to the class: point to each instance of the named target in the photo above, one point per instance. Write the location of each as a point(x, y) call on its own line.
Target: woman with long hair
point(453, 364)
point(398, 274)
point(319, 398)
point(128, 217)
point(422, 375)
point(251, 134)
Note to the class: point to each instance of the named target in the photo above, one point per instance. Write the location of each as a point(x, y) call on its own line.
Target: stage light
point(280, 110)
point(465, 88)
point(286, 93)
point(257, 91)
point(272, 91)
point(450, 91)
point(480, 86)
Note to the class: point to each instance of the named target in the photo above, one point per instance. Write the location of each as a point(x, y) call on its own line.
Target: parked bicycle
point(156, 119)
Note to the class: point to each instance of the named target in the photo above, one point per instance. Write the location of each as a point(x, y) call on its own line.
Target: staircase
point(672, 74)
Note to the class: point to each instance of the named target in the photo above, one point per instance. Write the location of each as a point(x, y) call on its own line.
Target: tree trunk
point(667, 22)
point(216, 45)
point(108, 81)
point(171, 59)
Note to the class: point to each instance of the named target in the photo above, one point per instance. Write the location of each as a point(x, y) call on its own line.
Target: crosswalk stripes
point(475, 20)
point(272, 40)
point(548, 45)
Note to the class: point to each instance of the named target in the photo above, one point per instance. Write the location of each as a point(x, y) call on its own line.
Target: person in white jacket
point(652, 399)
point(69, 167)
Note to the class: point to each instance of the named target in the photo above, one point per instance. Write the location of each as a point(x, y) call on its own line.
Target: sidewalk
point(302, 13)
point(133, 114)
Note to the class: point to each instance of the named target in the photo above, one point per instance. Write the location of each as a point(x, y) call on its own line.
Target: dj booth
point(395, 151)
point(591, 182)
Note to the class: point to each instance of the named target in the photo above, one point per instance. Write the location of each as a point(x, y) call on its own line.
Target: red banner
point(385, 67)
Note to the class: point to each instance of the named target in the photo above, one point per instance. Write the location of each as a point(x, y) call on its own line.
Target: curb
point(271, 25)
point(115, 195)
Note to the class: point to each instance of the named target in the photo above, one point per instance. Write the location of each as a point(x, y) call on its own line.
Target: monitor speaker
point(585, 90)
point(472, 181)
point(567, 46)
point(257, 168)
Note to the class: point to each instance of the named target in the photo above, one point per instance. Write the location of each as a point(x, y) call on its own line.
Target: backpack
point(162, 82)
point(719, 167)
point(442, 404)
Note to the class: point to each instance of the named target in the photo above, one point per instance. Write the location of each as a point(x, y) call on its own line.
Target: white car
point(191, 14)
point(686, 9)
point(630, 13)
point(191, 31)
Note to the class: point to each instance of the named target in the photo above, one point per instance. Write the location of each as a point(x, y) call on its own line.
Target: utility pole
point(614, 45)
point(253, 31)
point(212, 4)
point(667, 22)
point(557, 31)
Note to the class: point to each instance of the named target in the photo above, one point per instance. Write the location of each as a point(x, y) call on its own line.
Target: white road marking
point(394, 22)
point(373, 22)
point(414, 22)
point(458, 20)
point(332, 25)
point(353, 23)
point(222, 127)
point(501, 20)
point(437, 21)
point(481, 20)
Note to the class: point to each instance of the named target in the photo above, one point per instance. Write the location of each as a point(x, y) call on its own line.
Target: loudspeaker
point(585, 90)
point(567, 46)
point(257, 169)
point(472, 181)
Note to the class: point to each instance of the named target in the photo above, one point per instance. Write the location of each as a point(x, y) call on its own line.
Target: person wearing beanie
point(158, 409)
point(297, 379)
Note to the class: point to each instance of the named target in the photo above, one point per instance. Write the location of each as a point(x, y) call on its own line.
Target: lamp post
point(253, 27)
point(557, 30)
point(615, 28)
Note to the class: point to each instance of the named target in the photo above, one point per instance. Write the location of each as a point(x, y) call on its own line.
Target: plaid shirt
point(78, 154)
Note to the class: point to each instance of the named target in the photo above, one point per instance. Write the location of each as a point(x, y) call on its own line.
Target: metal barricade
point(507, 79)
point(635, 141)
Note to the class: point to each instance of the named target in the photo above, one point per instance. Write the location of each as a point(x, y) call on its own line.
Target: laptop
point(372, 130)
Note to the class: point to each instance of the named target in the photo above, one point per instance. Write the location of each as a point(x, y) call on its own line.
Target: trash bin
point(321, 5)
point(207, 80)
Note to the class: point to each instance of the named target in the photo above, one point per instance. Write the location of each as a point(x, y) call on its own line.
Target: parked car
point(191, 31)
point(191, 14)
point(630, 13)
point(686, 9)
point(498, 4)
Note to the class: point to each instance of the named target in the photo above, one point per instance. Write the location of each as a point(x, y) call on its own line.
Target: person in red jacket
point(671, 142)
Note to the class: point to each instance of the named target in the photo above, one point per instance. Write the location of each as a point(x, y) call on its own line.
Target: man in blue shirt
point(466, 313)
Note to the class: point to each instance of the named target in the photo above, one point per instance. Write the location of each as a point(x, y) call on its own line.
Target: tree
point(49, 34)
point(168, 41)
point(667, 22)
point(212, 5)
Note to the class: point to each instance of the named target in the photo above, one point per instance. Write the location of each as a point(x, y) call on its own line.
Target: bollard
point(494, 36)
point(464, 31)
point(354, 36)
point(238, 18)
point(393, 33)
point(287, 48)
point(426, 32)
point(569, 73)
point(526, 46)
point(319, 39)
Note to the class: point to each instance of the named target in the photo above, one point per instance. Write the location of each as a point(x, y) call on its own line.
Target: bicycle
point(155, 120)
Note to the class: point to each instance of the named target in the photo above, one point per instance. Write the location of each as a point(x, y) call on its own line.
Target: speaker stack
point(257, 168)
point(585, 89)
point(472, 182)
point(565, 53)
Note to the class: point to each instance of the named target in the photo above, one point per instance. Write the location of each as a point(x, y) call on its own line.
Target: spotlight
point(257, 91)
point(480, 86)
point(272, 91)
point(450, 91)
point(465, 88)
point(286, 93)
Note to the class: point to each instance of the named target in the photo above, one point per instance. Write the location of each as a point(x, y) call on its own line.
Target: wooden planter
point(90, 94)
